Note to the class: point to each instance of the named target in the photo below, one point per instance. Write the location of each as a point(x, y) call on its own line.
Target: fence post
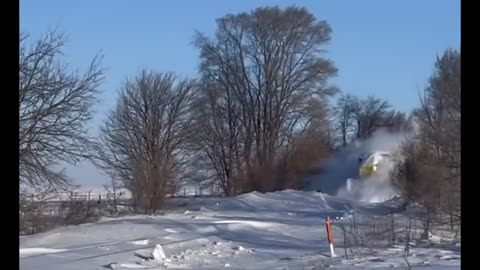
point(393, 229)
point(328, 225)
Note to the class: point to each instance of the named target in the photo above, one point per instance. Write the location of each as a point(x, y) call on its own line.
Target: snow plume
point(341, 174)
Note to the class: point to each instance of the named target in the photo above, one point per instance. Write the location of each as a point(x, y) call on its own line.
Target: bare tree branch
point(55, 105)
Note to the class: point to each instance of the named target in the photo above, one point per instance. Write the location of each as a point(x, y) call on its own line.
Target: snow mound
point(141, 242)
point(158, 253)
point(24, 252)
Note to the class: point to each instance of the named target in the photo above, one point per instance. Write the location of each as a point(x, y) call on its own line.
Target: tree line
point(260, 114)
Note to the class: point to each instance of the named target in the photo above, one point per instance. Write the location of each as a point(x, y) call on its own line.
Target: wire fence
point(358, 233)
point(40, 212)
point(123, 194)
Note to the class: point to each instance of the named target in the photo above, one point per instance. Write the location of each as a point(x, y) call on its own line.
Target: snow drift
point(277, 230)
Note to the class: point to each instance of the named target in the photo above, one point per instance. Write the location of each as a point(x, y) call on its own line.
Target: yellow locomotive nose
point(367, 170)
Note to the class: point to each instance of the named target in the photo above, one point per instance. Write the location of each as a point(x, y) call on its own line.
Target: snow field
point(279, 230)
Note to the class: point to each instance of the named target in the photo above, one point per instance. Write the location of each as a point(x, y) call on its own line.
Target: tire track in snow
point(78, 248)
point(178, 244)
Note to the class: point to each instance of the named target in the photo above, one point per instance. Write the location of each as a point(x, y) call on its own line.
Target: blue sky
point(382, 48)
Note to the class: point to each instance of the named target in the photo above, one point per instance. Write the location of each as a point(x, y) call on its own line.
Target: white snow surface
point(279, 230)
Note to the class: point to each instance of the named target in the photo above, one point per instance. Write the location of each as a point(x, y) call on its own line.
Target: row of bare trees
point(357, 118)
point(259, 107)
point(257, 118)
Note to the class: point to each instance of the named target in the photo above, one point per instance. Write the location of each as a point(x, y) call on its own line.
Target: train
point(372, 163)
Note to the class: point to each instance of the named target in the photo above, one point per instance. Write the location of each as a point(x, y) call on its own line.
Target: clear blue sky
point(382, 48)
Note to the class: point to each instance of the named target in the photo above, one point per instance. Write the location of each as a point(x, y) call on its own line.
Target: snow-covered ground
point(280, 230)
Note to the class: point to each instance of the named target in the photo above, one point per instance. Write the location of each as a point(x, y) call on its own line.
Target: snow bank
point(278, 230)
point(25, 252)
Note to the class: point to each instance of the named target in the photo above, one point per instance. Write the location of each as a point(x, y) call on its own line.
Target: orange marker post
point(328, 225)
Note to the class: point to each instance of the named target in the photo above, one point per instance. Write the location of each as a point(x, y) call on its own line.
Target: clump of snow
point(127, 266)
point(243, 223)
point(239, 248)
point(450, 257)
point(141, 242)
point(111, 265)
point(158, 253)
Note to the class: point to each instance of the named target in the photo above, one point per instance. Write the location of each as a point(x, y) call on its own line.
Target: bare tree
point(370, 115)
point(261, 74)
point(217, 141)
point(344, 111)
point(440, 124)
point(306, 152)
point(397, 121)
point(357, 118)
point(143, 141)
point(429, 170)
point(440, 114)
point(54, 106)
